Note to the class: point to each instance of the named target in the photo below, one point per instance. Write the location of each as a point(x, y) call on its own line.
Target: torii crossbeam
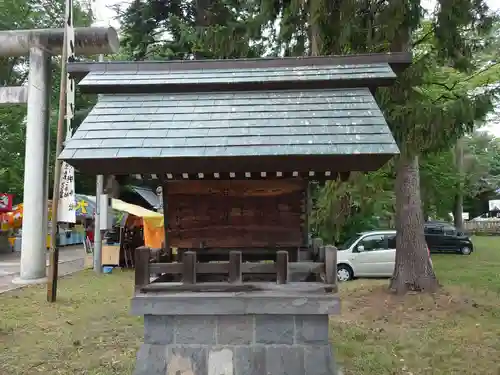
point(40, 45)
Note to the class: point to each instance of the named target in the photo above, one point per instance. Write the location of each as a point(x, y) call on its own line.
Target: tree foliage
point(363, 202)
point(28, 14)
point(174, 29)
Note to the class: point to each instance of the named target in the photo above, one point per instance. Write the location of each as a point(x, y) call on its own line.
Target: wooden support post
point(60, 135)
point(235, 267)
point(330, 265)
point(189, 267)
point(282, 267)
point(180, 254)
point(317, 243)
point(141, 267)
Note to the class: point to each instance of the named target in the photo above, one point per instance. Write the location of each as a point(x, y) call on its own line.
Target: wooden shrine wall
point(222, 214)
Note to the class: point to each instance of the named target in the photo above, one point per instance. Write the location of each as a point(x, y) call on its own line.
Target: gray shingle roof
point(331, 122)
point(240, 75)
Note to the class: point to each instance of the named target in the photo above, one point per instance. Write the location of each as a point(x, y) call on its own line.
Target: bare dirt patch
point(378, 304)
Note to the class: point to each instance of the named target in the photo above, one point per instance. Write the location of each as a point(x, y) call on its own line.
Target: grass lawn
point(89, 331)
point(456, 331)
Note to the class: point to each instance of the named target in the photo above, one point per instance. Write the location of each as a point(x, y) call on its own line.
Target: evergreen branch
point(424, 37)
point(444, 85)
point(481, 71)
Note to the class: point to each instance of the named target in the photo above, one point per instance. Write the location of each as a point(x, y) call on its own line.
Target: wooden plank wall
point(238, 213)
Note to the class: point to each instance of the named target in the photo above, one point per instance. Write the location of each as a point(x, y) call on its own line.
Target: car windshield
point(346, 245)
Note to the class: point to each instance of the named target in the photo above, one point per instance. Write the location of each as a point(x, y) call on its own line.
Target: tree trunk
point(314, 28)
point(413, 270)
point(202, 21)
point(458, 204)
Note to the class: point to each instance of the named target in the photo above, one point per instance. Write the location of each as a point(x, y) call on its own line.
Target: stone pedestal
point(278, 330)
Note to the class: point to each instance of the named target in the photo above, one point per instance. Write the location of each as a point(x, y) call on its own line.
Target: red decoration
point(6, 202)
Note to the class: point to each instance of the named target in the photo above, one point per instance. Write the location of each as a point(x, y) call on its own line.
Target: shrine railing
point(189, 269)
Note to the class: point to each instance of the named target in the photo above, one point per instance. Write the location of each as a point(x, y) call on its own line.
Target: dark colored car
point(444, 237)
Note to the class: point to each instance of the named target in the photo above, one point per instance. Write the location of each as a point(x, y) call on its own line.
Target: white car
point(367, 254)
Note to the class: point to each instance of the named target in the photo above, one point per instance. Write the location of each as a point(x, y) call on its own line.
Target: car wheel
point(344, 273)
point(466, 250)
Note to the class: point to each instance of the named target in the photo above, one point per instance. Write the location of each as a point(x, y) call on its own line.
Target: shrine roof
point(368, 70)
point(194, 133)
point(228, 116)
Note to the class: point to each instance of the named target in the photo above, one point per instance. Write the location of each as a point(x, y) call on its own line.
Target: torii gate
point(40, 45)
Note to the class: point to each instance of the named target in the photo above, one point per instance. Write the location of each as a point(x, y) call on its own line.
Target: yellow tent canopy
point(132, 209)
point(152, 222)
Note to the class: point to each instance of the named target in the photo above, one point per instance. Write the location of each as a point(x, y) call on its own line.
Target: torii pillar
point(40, 45)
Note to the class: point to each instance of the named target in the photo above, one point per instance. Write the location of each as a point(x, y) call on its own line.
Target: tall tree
point(458, 204)
point(421, 118)
point(174, 29)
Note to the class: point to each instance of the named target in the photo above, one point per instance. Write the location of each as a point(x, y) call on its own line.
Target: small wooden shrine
point(234, 144)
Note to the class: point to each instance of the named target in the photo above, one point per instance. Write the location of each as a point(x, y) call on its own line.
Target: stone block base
point(153, 359)
point(236, 334)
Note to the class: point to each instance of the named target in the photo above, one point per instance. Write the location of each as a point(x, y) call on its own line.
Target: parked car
point(368, 254)
point(444, 237)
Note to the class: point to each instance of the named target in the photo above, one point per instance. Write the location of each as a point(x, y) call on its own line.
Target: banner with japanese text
point(66, 211)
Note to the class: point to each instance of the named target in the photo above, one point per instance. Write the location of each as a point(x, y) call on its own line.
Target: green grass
point(455, 331)
point(89, 330)
point(479, 271)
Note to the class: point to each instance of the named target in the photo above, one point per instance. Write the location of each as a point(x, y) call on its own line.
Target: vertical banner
point(66, 209)
point(67, 200)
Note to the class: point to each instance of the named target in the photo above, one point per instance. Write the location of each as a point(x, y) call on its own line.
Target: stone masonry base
point(236, 345)
point(273, 330)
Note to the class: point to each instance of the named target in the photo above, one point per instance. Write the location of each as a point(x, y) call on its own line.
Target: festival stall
point(69, 234)
point(134, 226)
point(5, 208)
point(144, 225)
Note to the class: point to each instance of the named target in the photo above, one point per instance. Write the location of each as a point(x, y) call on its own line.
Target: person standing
point(89, 232)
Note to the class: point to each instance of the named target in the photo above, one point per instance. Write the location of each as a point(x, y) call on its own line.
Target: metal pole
point(100, 178)
point(97, 226)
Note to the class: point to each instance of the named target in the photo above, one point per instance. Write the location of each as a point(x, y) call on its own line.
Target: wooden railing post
point(189, 267)
point(330, 265)
point(282, 267)
point(317, 243)
point(141, 267)
point(235, 267)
